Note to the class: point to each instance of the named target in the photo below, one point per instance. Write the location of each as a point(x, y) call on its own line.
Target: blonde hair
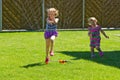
point(53, 10)
point(91, 19)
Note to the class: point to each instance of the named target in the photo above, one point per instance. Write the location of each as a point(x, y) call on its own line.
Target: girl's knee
point(92, 47)
point(97, 47)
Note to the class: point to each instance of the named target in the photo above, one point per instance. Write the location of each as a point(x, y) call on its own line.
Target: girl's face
point(51, 14)
point(93, 22)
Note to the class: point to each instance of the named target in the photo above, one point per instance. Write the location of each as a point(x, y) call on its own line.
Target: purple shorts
point(48, 34)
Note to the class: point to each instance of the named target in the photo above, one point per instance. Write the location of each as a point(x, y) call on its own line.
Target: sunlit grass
point(22, 57)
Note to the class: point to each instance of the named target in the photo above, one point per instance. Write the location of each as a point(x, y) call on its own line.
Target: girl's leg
point(92, 52)
point(52, 47)
point(47, 50)
point(99, 50)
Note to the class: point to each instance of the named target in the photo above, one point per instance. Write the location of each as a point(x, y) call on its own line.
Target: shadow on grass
point(110, 58)
point(32, 65)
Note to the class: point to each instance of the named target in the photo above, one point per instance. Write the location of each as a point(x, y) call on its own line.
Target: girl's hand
point(56, 20)
point(104, 34)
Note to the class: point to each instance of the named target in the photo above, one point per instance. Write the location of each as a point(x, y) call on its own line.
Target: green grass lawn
point(22, 57)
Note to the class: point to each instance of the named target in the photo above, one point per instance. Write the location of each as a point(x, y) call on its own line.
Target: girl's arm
point(54, 21)
point(50, 21)
point(89, 34)
point(104, 33)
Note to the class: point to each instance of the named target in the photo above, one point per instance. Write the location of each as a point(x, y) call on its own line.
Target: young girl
point(94, 33)
point(50, 32)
